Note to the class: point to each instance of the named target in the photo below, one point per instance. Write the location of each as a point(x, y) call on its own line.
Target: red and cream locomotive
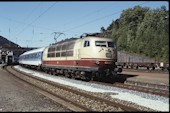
point(87, 58)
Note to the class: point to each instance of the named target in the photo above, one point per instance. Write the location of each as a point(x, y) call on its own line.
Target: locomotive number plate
point(108, 62)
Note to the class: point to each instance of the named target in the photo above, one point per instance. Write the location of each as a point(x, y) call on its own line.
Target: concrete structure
point(17, 51)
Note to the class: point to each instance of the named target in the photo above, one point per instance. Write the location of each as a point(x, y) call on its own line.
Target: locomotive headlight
point(97, 62)
point(108, 55)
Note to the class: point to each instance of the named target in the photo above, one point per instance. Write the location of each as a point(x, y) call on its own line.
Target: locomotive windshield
point(104, 44)
point(110, 44)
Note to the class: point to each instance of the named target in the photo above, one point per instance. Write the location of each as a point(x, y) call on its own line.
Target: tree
point(102, 30)
point(142, 30)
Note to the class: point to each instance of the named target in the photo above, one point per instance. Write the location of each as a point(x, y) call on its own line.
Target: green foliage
point(143, 31)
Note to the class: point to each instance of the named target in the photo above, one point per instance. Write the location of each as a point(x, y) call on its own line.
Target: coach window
point(86, 43)
point(49, 55)
point(69, 53)
point(70, 45)
point(39, 55)
point(58, 48)
point(64, 47)
point(63, 54)
point(49, 49)
point(52, 54)
point(53, 49)
point(58, 54)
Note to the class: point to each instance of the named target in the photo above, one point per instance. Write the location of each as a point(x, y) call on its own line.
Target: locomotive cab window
point(100, 43)
point(104, 44)
point(86, 43)
point(110, 44)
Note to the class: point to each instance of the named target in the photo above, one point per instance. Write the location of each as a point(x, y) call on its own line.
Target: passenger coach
point(32, 58)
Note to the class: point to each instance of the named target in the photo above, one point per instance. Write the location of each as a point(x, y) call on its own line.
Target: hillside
point(6, 43)
point(143, 31)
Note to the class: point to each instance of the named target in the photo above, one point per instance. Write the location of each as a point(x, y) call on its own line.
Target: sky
point(37, 23)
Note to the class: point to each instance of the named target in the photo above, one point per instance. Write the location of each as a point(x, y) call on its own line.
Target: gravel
point(144, 101)
point(16, 97)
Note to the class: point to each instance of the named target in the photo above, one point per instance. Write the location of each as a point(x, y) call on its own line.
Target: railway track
point(164, 93)
point(146, 70)
point(27, 80)
point(84, 100)
point(157, 89)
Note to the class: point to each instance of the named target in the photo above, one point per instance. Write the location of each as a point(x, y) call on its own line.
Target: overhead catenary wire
point(35, 26)
point(29, 15)
point(37, 17)
point(86, 16)
point(31, 24)
point(97, 19)
point(28, 25)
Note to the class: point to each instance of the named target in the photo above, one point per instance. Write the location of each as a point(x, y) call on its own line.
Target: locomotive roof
point(66, 40)
point(33, 51)
point(86, 37)
point(96, 37)
point(71, 39)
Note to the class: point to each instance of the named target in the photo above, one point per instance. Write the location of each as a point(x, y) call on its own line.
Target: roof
point(33, 51)
point(66, 40)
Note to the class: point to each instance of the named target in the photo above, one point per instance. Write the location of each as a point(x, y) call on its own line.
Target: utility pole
point(27, 42)
point(9, 37)
point(59, 33)
point(16, 41)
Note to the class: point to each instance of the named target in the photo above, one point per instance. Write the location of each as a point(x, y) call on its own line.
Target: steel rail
point(86, 95)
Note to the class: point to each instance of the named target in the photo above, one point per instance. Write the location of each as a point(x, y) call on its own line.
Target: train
point(126, 60)
point(88, 57)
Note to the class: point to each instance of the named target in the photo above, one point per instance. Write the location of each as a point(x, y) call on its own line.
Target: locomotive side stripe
point(90, 63)
point(100, 59)
point(78, 68)
point(78, 63)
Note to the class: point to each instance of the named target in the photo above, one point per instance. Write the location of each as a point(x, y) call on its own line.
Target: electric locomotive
point(87, 58)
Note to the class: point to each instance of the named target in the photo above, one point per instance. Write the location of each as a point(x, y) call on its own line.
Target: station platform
point(136, 77)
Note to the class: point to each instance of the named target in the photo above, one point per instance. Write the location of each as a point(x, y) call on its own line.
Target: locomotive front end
point(102, 53)
point(107, 53)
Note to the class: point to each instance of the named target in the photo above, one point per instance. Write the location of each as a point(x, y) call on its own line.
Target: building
point(17, 51)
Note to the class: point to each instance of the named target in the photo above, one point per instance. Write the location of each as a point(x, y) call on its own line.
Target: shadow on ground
point(121, 78)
